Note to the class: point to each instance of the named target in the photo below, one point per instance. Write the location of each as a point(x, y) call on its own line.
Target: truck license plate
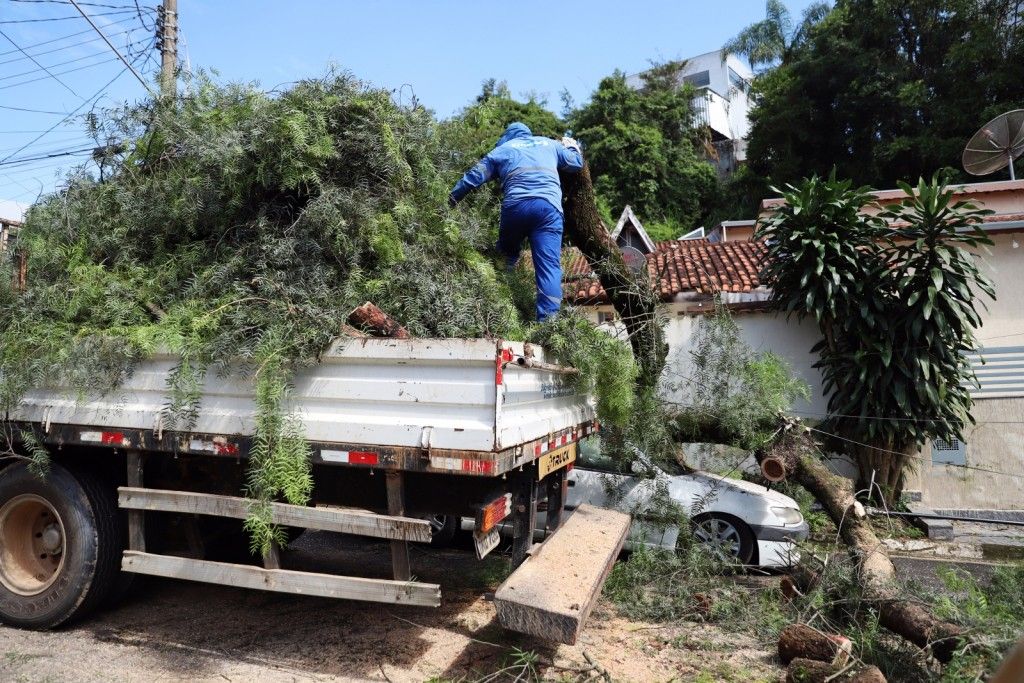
point(556, 460)
point(486, 542)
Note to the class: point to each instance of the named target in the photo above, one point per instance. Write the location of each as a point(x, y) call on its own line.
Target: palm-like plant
point(766, 42)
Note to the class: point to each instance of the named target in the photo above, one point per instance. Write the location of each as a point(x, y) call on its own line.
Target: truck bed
point(473, 406)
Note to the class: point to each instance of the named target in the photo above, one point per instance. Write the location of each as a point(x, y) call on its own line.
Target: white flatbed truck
point(403, 433)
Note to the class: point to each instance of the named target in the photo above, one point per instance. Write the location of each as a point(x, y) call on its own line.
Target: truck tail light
point(489, 515)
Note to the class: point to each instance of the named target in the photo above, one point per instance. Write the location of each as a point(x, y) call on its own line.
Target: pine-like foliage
point(238, 225)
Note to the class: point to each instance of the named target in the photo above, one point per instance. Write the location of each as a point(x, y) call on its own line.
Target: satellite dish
point(996, 145)
point(634, 258)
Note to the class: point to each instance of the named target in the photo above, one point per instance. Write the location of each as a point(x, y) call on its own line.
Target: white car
point(743, 521)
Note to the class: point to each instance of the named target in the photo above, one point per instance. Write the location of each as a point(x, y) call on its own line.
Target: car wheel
point(442, 530)
point(60, 545)
point(728, 538)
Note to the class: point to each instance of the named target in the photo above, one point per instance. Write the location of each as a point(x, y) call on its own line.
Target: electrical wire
point(68, 61)
point(33, 111)
point(134, 6)
point(21, 160)
point(111, 46)
point(36, 62)
point(66, 47)
point(69, 35)
point(73, 16)
point(61, 73)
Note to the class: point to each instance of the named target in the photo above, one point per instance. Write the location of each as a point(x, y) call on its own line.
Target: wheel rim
point(721, 537)
point(32, 544)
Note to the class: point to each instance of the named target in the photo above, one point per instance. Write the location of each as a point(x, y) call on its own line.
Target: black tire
point(735, 541)
point(90, 533)
point(442, 530)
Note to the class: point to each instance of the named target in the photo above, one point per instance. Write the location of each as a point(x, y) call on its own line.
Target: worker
point(528, 167)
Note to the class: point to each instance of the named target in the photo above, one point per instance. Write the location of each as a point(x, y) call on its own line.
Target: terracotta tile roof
point(675, 266)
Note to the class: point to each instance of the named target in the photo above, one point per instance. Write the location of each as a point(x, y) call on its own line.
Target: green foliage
point(606, 365)
point(878, 89)
point(895, 300)
point(766, 42)
point(741, 391)
point(644, 149)
point(240, 228)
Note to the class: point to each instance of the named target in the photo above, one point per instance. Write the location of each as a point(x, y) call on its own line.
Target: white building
point(722, 104)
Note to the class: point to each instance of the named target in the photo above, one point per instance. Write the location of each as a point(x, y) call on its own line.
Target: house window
point(603, 317)
point(951, 452)
point(701, 79)
point(737, 81)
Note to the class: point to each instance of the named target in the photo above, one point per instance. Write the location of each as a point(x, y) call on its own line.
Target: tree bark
point(375, 321)
point(802, 641)
point(631, 295)
point(812, 671)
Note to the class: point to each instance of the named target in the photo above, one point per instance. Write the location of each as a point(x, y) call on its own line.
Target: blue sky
point(440, 50)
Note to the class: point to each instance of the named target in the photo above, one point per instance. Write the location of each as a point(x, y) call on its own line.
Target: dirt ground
point(177, 631)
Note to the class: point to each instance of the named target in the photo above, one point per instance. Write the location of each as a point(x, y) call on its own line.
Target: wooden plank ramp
point(325, 519)
point(283, 580)
point(551, 594)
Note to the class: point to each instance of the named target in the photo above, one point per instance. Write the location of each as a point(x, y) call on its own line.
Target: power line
point(111, 46)
point(21, 160)
point(96, 96)
point(64, 47)
point(66, 71)
point(36, 62)
point(36, 21)
point(69, 35)
point(134, 6)
point(68, 61)
point(33, 111)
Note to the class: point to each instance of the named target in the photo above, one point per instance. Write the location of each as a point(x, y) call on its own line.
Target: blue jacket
point(527, 164)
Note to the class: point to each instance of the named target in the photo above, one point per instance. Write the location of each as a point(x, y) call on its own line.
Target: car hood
point(725, 484)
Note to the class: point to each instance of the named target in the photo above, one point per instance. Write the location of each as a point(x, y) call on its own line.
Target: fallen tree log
point(876, 571)
point(376, 322)
point(631, 295)
point(799, 641)
point(797, 452)
point(812, 671)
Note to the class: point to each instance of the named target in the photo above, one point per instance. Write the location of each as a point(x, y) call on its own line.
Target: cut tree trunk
point(813, 671)
point(907, 619)
point(376, 322)
point(631, 295)
point(799, 641)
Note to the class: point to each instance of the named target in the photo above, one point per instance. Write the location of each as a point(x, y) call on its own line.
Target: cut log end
point(799, 641)
point(773, 469)
point(810, 671)
point(376, 322)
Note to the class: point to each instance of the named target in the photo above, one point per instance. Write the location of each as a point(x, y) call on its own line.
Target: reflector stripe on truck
point(462, 465)
point(105, 438)
point(504, 356)
point(218, 446)
point(350, 457)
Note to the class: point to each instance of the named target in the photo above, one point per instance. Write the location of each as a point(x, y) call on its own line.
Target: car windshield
point(593, 457)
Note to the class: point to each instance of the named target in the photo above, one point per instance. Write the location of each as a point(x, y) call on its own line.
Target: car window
point(592, 457)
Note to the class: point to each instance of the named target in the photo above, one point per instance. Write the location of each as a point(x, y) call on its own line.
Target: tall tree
point(886, 90)
point(768, 41)
point(895, 297)
point(644, 149)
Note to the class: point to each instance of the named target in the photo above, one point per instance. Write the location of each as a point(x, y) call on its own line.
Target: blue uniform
point(528, 167)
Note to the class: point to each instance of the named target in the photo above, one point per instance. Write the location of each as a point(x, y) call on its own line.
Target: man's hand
point(570, 143)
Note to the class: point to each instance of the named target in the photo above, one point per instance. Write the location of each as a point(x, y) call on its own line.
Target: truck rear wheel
point(60, 545)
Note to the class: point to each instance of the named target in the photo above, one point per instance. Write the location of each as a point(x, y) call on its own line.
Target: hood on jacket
point(514, 130)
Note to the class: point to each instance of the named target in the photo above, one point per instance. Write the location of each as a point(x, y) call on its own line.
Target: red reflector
point(112, 438)
point(362, 458)
point(483, 466)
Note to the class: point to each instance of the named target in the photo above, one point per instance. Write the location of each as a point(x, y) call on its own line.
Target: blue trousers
point(541, 223)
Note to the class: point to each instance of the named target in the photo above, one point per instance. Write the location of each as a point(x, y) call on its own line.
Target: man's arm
point(483, 171)
point(570, 158)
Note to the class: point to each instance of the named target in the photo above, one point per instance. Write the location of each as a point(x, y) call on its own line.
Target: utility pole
point(167, 36)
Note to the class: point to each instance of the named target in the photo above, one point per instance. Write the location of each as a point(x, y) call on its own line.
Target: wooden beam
point(136, 518)
point(283, 580)
point(325, 519)
point(396, 506)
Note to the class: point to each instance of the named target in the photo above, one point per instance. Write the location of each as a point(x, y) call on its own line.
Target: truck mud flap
point(551, 594)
